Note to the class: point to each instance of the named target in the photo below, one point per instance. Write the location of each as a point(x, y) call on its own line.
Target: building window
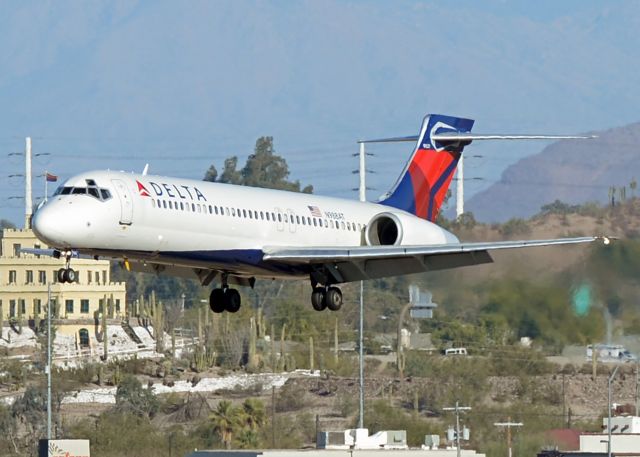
point(12, 308)
point(84, 306)
point(16, 249)
point(37, 307)
point(88, 277)
point(104, 276)
point(83, 335)
point(12, 276)
point(29, 276)
point(68, 305)
point(23, 307)
point(101, 305)
point(42, 277)
point(117, 305)
point(97, 276)
point(54, 307)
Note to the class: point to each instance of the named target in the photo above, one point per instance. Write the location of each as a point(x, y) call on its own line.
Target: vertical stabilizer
point(423, 184)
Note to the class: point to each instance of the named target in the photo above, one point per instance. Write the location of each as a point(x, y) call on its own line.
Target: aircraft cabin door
point(126, 202)
point(292, 221)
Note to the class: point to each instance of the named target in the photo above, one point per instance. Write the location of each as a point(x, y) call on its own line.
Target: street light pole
point(609, 410)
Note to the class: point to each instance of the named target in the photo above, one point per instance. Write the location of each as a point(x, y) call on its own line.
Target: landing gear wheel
point(333, 298)
point(232, 300)
point(66, 275)
point(318, 299)
point(216, 300)
point(71, 275)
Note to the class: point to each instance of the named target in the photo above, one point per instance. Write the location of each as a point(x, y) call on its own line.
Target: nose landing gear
point(67, 274)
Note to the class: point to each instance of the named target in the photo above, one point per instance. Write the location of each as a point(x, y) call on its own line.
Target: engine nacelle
point(395, 229)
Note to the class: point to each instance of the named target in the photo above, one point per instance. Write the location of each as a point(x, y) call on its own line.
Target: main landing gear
point(224, 299)
point(326, 297)
point(67, 274)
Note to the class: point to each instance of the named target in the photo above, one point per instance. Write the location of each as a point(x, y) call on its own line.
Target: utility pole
point(508, 424)
point(457, 409)
point(49, 361)
point(460, 188)
point(28, 202)
point(363, 197)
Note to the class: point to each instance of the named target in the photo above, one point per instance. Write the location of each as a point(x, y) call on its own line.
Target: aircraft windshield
point(91, 189)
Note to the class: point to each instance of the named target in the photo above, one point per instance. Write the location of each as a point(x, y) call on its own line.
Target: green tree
point(263, 169)
point(4, 223)
point(132, 398)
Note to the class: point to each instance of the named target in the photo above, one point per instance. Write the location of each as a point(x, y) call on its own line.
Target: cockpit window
point(91, 189)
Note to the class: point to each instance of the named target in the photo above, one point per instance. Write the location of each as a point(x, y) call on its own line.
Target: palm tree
point(226, 420)
point(254, 415)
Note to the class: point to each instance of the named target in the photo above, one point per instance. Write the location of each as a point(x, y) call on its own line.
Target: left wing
point(370, 262)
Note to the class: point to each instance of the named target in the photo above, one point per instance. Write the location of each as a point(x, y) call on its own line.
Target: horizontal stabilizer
point(468, 136)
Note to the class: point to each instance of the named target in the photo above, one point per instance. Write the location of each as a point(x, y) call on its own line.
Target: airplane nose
point(46, 225)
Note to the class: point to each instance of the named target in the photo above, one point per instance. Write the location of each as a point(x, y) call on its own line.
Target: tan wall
point(24, 279)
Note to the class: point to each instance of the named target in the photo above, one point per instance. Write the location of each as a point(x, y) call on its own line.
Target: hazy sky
point(182, 85)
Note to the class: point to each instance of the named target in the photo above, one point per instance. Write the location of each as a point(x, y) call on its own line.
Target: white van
point(455, 351)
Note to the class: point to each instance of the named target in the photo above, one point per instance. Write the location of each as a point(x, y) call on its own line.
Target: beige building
point(24, 279)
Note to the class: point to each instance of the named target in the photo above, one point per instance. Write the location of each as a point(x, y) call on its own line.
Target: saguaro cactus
point(251, 362)
point(103, 322)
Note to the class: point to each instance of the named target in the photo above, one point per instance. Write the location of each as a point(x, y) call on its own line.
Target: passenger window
point(304, 222)
point(193, 207)
point(244, 213)
point(261, 215)
point(164, 204)
point(342, 225)
point(255, 214)
point(153, 203)
point(298, 220)
point(267, 216)
point(170, 205)
point(286, 219)
point(315, 222)
point(273, 217)
point(210, 210)
point(233, 212)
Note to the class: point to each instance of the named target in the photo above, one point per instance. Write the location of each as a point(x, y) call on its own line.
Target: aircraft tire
point(70, 275)
point(318, 299)
point(217, 301)
point(62, 277)
point(334, 298)
point(232, 300)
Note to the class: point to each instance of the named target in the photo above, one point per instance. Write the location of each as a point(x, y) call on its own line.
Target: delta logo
point(165, 190)
point(142, 190)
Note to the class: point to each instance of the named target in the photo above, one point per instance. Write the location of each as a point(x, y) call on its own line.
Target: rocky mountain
point(573, 171)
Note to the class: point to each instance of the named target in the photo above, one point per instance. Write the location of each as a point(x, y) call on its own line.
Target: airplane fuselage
point(208, 225)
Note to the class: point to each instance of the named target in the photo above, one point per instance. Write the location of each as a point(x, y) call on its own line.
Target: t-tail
point(423, 184)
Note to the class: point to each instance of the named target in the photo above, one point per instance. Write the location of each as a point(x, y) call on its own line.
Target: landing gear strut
point(67, 274)
point(224, 299)
point(326, 297)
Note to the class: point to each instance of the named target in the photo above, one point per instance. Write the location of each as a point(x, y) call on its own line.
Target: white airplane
point(235, 234)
